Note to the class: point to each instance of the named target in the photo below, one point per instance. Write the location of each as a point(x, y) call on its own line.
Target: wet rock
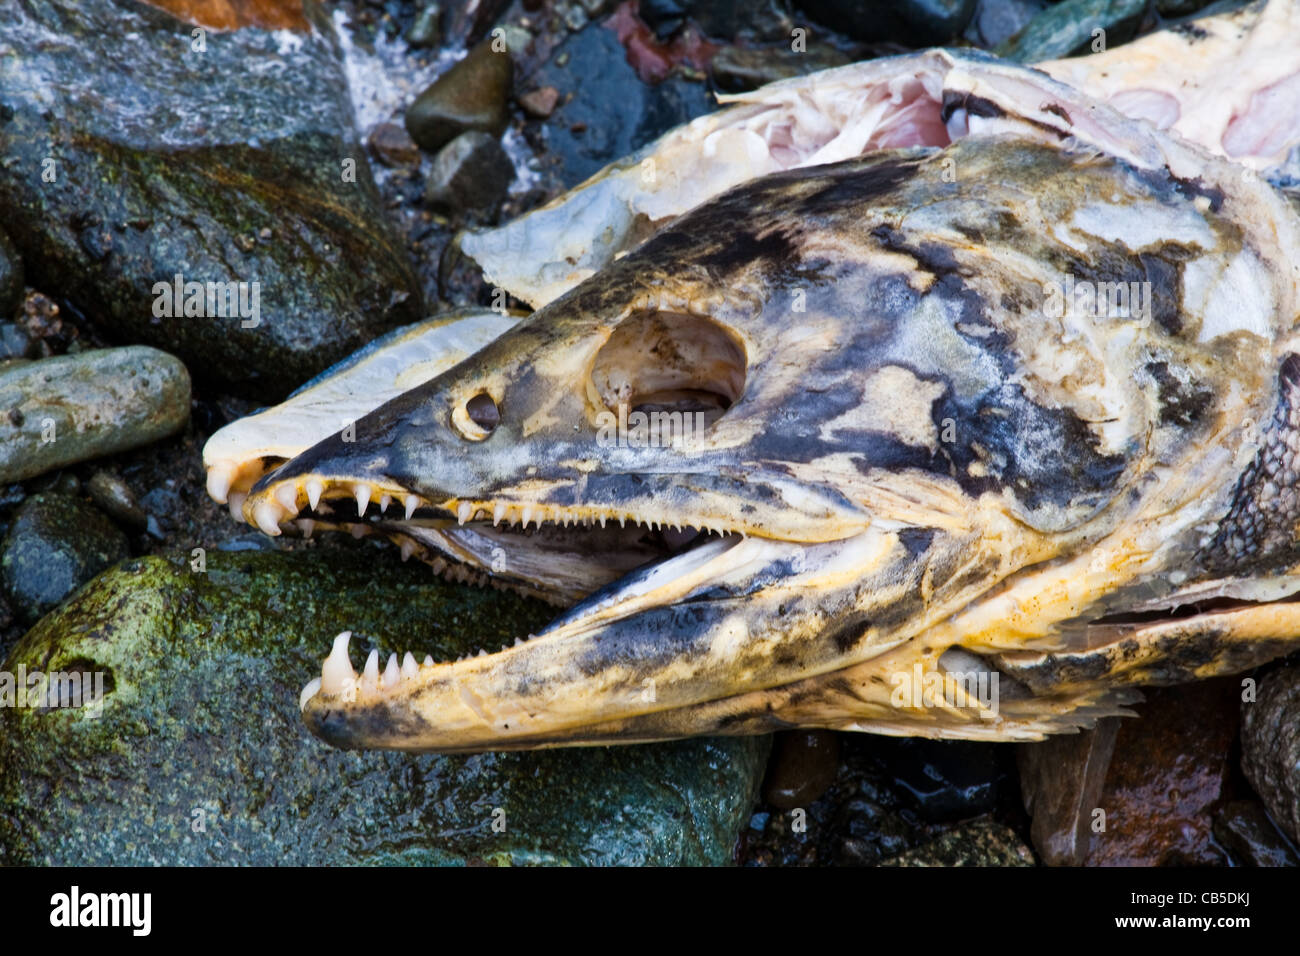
point(1180, 8)
point(606, 111)
point(1159, 792)
point(472, 172)
point(198, 753)
point(1270, 744)
point(1067, 29)
point(1061, 780)
point(916, 23)
point(426, 28)
point(234, 163)
point(55, 544)
point(540, 103)
point(471, 95)
point(978, 843)
point(15, 343)
point(76, 407)
point(233, 14)
point(114, 498)
point(803, 765)
point(947, 780)
point(1244, 830)
point(11, 277)
point(392, 146)
point(997, 21)
point(469, 21)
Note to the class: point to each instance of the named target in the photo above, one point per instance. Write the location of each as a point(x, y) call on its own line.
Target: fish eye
point(483, 412)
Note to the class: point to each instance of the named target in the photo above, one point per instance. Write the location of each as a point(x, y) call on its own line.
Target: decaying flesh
point(1229, 83)
point(909, 464)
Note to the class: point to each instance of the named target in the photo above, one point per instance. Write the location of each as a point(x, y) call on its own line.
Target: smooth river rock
point(72, 408)
point(198, 755)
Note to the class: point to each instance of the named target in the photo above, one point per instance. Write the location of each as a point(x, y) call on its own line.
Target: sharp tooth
point(411, 503)
point(408, 549)
point(482, 652)
point(392, 673)
point(384, 502)
point(363, 498)
point(370, 675)
point(602, 521)
point(307, 526)
point(308, 692)
point(409, 667)
point(236, 505)
point(428, 660)
point(337, 673)
point(464, 512)
point(267, 515)
point(314, 491)
point(622, 521)
point(220, 475)
point(287, 495)
point(528, 515)
point(498, 513)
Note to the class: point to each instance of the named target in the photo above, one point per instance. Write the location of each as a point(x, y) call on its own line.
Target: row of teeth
point(337, 677)
point(228, 473)
point(282, 505)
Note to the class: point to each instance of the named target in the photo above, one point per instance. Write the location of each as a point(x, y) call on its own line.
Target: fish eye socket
point(483, 412)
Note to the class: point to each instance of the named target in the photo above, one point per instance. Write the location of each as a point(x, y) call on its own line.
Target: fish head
point(903, 449)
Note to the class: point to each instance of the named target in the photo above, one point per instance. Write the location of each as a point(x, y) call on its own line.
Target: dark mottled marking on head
point(1190, 30)
point(1164, 269)
point(1057, 110)
point(1181, 403)
point(916, 540)
point(1259, 531)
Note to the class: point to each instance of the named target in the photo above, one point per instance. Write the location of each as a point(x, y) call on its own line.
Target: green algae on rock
point(73, 408)
point(55, 544)
point(198, 754)
point(133, 151)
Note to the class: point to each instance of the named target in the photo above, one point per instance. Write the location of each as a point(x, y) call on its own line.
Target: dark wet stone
point(802, 766)
point(978, 843)
point(1180, 8)
point(392, 145)
point(1061, 780)
point(199, 754)
point(916, 23)
point(736, 68)
point(15, 342)
point(73, 408)
point(1244, 830)
point(426, 28)
point(55, 544)
point(472, 95)
point(472, 172)
point(115, 498)
point(996, 21)
point(606, 111)
point(1066, 29)
point(947, 779)
point(1270, 744)
point(723, 19)
point(235, 164)
point(11, 277)
point(467, 23)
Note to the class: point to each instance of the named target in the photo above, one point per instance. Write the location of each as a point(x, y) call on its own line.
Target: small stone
point(1243, 828)
point(1061, 780)
point(472, 172)
point(115, 499)
point(540, 103)
point(802, 766)
point(55, 544)
point(74, 408)
point(997, 21)
point(470, 96)
point(426, 29)
point(978, 843)
point(393, 146)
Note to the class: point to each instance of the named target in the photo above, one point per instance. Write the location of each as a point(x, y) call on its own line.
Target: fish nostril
point(483, 411)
